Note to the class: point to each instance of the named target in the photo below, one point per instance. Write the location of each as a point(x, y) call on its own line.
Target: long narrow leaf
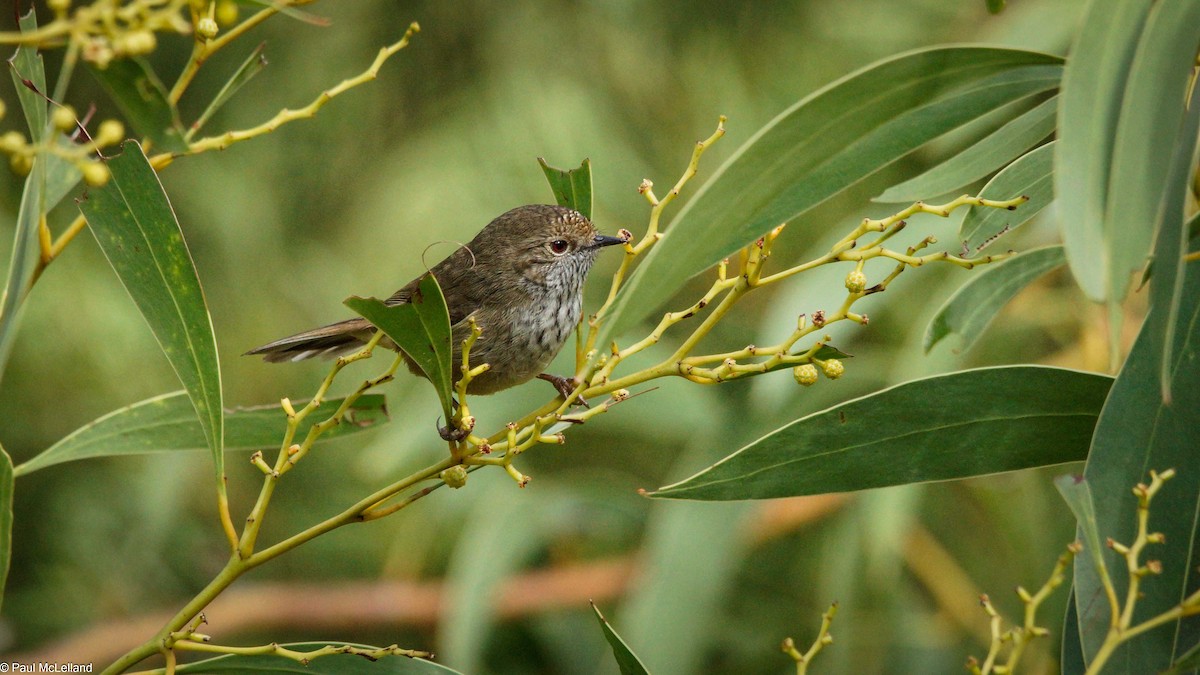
point(973, 306)
point(983, 157)
point(1092, 90)
point(168, 423)
point(627, 661)
point(132, 221)
point(968, 423)
point(824, 144)
point(1032, 175)
point(1137, 432)
point(421, 328)
point(29, 78)
point(253, 65)
point(1149, 131)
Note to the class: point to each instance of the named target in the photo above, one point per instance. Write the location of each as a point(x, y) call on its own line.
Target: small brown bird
point(521, 278)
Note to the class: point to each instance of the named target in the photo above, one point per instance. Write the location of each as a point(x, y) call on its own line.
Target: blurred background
point(491, 577)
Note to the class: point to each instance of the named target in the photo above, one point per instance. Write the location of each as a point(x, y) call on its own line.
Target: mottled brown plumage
point(521, 278)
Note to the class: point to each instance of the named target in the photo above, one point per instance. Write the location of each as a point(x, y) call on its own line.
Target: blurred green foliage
point(284, 227)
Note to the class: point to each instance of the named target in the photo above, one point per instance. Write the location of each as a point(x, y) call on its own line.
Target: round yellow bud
point(805, 375)
point(3, 109)
point(856, 281)
point(135, 43)
point(59, 7)
point(12, 141)
point(227, 12)
point(95, 174)
point(455, 476)
point(20, 164)
point(833, 368)
point(110, 132)
point(63, 118)
point(206, 29)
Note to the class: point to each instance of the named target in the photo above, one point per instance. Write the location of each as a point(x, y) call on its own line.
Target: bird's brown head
point(552, 246)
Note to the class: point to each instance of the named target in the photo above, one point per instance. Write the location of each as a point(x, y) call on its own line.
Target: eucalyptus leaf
point(1150, 130)
point(421, 328)
point(1031, 175)
point(983, 157)
point(1077, 494)
point(973, 306)
point(335, 664)
point(824, 144)
point(253, 65)
point(135, 226)
point(968, 423)
point(572, 188)
point(1092, 91)
point(168, 423)
point(627, 661)
point(1136, 433)
point(29, 78)
point(141, 96)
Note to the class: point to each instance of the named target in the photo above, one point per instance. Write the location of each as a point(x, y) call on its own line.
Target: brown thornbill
point(521, 278)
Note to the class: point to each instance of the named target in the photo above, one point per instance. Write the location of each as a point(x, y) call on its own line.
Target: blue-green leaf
point(29, 78)
point(973, 306)
point(6, 518)
point(824, 144)
point(420, 327)
point(168, 423)
point(1137, 433)
point(1031, 175)
point(132, 221)
point(968, 423)
point(253, 65)
point(983, 157)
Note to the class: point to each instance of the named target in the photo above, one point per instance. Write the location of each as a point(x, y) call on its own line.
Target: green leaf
point(1071, 655)
point(996, 6)
point(168, 423)
point(6, 518)
point(1031, 175)
point(824, 144)
point(1187, 663)
point(573, 188)
point(1166, 289)
point(253, 65)
point(1149, 131)
point(336, 664)
point(983, 157)
point(973, 306)
point(142, 98)
point(1092, 90)
point(627, 661)
point(968, 423)
point(291, 11)
point(29, 77)
point(1137, 432)
point(421, 328)
point(132, 221)
point(1078, 495)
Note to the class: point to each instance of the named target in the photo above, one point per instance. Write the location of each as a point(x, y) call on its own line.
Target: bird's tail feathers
point(326, 342)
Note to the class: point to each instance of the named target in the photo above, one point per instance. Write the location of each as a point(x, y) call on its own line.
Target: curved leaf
point(1137, 432)
point(963, 424)
point(973, 306)
point(335, 664)
point(627, 661)
point(135, 226)
point(421, 328)
point(983, 157)
point(139, 93)
point(1031, 175)
point(168, 423)
point(824, 144)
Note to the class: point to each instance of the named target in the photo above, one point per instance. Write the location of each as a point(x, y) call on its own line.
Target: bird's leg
point(565, 386)
point(451, 432)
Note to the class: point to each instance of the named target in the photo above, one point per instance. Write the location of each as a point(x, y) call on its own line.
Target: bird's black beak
point(602, 240)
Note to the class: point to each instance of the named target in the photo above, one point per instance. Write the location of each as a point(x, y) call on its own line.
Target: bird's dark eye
point(559, 246)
